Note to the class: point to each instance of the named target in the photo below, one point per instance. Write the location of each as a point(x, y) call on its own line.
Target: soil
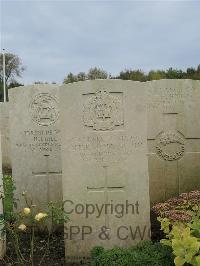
point(56, 254)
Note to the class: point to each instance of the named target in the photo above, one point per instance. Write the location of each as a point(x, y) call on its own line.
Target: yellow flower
point(22, 227)
point(40, 216)
point(27, 211)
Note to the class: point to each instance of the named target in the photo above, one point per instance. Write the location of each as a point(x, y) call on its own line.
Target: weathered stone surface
point(104, 147)
point(35, 142)
point(173, 137)
point(4, 127)
point(2, 238)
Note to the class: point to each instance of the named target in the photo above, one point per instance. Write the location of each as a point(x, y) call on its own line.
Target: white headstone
point(104, 147)
point(35, 142)
point(173, 137)
point(4, 128)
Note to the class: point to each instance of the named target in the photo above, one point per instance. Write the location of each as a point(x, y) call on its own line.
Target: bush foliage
point(145, 253)
point(180, 221)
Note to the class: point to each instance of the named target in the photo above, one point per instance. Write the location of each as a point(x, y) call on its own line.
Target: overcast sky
point(54, 38)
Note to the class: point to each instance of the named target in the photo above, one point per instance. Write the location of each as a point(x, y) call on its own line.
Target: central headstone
point(105, 172)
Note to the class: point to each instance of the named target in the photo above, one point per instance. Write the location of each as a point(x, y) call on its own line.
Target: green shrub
point(8, 197)
point(25, 223)
point(146, 253)
point(180, 221)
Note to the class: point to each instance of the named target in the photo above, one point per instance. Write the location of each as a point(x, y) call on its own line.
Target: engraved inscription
point(103, 111)
point(46, 141)
point(170, 145)
point(105, 149)
point(169, 98)
point(44, 109)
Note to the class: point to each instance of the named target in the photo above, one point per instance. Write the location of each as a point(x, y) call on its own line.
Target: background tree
point(193, 73)
point(171, 73)
point(155, 75)
point(97, 73)
point(81, 76)
point(137, 75)
point(93, 73)
point(14, 69)
point(174, 73)
point(70, 78)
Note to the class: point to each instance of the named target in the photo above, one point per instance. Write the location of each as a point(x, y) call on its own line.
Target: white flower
point(40, 216)
point(22, 227)
point(24, 193)
point(27, 211)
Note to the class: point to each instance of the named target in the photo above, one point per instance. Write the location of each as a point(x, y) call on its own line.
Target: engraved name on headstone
point(35, 142)
point(104, 164)
point(173, 137)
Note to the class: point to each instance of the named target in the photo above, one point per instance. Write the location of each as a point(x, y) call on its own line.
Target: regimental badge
point(44, 109)
point(170, 145)
point(103, 111)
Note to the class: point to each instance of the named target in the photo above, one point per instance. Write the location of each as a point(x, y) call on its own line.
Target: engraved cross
point(47, 174)
point(106, 189)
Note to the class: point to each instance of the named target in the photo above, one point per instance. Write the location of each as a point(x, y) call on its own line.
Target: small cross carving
point(106, 189)
point(46, 173)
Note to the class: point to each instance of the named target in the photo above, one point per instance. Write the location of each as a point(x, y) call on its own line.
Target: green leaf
point(166, 242)
point(179, 261)
point(197, 260)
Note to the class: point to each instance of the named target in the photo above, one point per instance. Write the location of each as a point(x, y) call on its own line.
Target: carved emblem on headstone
point(103, 111)
point(170, 145)
point(44, 109)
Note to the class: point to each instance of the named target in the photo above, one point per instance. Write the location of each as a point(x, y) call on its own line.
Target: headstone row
point(173, 135)
point(118, 140)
